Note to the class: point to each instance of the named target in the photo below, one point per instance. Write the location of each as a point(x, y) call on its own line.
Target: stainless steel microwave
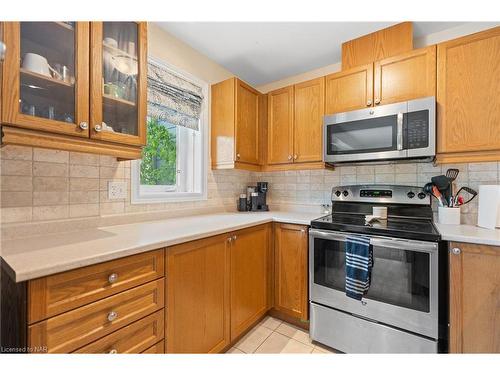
point(398, 131)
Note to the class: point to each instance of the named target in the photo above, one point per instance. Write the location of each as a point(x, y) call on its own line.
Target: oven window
point(399, 277)
point(371, 135)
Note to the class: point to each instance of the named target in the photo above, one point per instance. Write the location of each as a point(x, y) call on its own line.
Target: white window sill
point(168, 198)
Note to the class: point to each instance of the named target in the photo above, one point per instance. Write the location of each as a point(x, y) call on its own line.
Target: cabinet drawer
point(134, 338)
point(55, 294)
point(74, 329)
point(158, 348)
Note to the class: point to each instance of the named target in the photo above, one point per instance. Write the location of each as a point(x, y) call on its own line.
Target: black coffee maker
point(258, 198)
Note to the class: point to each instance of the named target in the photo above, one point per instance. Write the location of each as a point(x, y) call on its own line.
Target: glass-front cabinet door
point(46, 76)
point(118, 88)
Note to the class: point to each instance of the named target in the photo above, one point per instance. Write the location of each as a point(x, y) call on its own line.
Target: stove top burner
point(419, 229)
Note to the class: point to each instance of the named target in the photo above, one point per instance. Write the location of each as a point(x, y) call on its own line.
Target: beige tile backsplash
point(40, 185)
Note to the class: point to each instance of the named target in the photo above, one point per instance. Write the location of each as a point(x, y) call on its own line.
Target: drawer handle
point(112, 316)
point(113, 351)
point(113, 278)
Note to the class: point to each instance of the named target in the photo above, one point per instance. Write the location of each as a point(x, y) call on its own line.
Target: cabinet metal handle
point(238, 156)
point(113, 351)
point(289, 157)
point(83, 125)
point(377, 101)
point(303, 230)
point(234, 237)
point(113, 278)
point(456, 251)
point(295, 157)
point(3, 49)
point(229, 239)
point(98, 127)
point(368, 103)
point(112, 316)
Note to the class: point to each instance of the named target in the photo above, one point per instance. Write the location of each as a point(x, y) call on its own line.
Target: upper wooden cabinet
point(119, 79)
point(236, 125)
point(295, 123)
point(349, 89)
point(384, 43)
point(198, 296)
point(404, 77)
point(290, 270)
point(468, 104)
point(46, 76)
point(77, 86)
point(309, 108)
point(280, 126)
point(250, 282)
point(474, 298)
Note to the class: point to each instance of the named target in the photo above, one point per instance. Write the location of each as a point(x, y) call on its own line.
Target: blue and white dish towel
point(358, 266)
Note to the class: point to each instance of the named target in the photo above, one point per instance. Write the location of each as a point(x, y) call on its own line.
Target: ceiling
point(263, 52)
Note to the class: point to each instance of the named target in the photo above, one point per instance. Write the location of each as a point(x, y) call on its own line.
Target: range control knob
point(345, 193)
point(410, 194)
point(337, 193)
point(421, 195)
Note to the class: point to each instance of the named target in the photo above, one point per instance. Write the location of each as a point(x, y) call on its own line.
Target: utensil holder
point(449, 215)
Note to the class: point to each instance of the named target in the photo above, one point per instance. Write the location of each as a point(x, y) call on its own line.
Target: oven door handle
point(401, 244)
point(396, 243)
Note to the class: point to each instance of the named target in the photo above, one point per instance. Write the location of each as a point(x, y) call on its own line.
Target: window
point(175, 159)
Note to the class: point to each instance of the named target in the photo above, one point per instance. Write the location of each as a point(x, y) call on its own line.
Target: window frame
point(165, 193)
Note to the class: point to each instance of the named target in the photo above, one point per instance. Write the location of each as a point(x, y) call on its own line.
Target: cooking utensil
point(467, 189)
point(452, 174)
point(438, 195)
point(443, 185)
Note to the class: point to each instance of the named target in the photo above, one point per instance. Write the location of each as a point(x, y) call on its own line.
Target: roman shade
point(172, 98)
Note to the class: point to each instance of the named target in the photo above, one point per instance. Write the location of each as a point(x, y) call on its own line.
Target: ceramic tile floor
point(273, 336)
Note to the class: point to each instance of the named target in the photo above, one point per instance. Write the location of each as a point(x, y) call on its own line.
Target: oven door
point(404, 286)
point(366, 134)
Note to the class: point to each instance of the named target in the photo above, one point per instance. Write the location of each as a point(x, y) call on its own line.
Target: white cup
point(380, 212)
point(36, 64)
point(449, 215)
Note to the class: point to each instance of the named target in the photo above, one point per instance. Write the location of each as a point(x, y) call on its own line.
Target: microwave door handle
point(399, 136)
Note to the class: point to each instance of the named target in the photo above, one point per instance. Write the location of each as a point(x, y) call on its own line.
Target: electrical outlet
point(117, 190)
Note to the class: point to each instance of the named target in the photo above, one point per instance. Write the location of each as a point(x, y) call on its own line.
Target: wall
point(315, 186)
point(40, 185)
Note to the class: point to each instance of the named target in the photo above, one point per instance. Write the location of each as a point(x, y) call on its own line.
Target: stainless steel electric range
point(405, 309)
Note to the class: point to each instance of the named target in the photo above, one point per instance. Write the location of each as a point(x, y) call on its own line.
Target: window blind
point(172, 98)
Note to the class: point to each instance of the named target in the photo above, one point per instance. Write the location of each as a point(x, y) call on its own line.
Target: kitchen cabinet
point(198, 283)
point(407, 76)
point(349, 89)
point(118, 82)
point(77, 86)
point(250, 282)
point(290, 270)
point(379, 45)
point(474, 298)
point(309, 108)
point(280, 126)
point(468, 108)
point(236, 125)
point(295, 124)
point(115, 306)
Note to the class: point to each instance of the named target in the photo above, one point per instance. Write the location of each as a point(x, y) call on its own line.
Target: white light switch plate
point(117, 190)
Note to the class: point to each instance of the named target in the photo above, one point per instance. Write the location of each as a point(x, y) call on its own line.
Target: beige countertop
point(469, 233)
point(34, 257)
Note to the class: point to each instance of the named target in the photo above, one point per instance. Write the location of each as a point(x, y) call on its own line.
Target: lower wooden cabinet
point(198, 296)
point(474, 298)
point(250, 253)
point(290, 270)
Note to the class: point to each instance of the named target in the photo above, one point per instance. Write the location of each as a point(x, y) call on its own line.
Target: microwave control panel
point(417, 129)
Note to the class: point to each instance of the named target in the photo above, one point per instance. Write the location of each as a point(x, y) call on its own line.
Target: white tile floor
point(274, 336)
